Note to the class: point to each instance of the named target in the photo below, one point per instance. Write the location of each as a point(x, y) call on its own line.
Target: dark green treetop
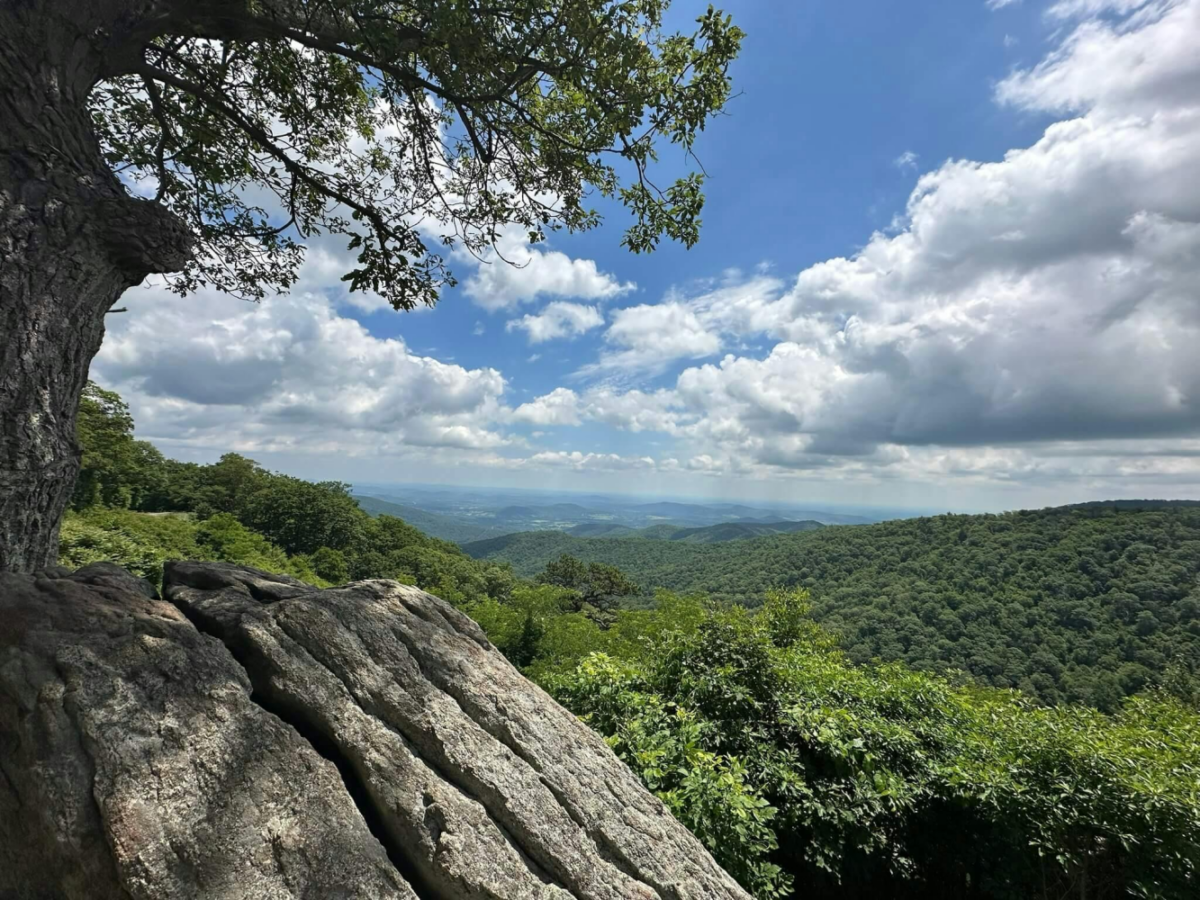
point(596, 587)
point(406, 126)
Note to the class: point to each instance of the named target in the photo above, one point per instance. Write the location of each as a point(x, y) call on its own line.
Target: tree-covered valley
point(806, 768)
point(1084, 604)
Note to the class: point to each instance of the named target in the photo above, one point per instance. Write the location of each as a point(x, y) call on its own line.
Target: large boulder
point(251, 737)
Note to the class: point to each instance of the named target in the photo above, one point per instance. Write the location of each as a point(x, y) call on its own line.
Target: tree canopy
point(1075, 604)
point(115, 469)
point(593, 587)
point(807, 776)
point(406, 127)
point(209, 141)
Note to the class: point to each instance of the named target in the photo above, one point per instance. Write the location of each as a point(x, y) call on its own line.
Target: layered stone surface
point(249, 736)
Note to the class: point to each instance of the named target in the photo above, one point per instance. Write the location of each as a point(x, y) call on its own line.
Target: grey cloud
point(286, 371)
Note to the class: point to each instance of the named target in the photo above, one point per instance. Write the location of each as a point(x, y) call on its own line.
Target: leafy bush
point(792, 764)
point(142, 542)
point(82, 542)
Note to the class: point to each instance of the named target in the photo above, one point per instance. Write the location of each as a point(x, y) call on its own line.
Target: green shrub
point(142, 542)
point(791, 763)
point(82, 542)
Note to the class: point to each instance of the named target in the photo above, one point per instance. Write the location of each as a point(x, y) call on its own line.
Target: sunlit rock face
point(251, 737)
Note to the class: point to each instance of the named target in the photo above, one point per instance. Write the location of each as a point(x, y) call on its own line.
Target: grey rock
point(254, 737)
point(136, 766)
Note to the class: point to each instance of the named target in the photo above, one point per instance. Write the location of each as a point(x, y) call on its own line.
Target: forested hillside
point(708, 534)
point(733, 531)
point(1082, 604)
point(137, 508)
point(805, 774)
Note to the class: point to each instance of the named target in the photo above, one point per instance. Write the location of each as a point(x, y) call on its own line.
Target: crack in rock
point(360, 794)
point(468, 854)
point(565, 754)
point(411, 687)
point(327, 748)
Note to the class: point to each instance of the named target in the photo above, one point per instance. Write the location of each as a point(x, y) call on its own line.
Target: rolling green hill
point(1086, 603)
point(588, 529)
point(708, 534)
point(661, 532)
point(740, 531)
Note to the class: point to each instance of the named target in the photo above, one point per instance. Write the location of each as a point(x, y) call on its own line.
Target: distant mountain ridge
point(448, 528)
point(708, 534)
point(513, 511)
point(602, 529)
point(508, 520)
point(741, 531)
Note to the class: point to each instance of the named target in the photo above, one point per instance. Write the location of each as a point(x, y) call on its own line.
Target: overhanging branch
point(262, 139)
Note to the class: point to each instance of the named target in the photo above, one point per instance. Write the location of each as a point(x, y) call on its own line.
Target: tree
point(303, 517)
point(565, 572)
point(139, 138)
point(595, 587)
point(115, 470)
point(330, 565)
point(232, 479)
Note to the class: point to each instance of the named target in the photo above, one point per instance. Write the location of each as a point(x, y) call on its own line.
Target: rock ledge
point(252, 737)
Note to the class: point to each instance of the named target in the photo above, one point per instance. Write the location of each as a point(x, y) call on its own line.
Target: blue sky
point(949, 258)
point(803, 166)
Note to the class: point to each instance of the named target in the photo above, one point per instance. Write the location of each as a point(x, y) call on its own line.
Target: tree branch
point(263, 140)
point(160, 151)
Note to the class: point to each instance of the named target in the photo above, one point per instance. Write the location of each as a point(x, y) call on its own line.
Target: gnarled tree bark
point(72, 240)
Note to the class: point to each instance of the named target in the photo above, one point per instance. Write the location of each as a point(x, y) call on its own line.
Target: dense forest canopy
point(1084, 604)
point(802, 771)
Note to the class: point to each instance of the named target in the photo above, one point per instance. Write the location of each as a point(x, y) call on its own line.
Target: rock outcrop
point(251, 737)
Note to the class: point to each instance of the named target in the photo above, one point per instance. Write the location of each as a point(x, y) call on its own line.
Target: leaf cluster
point(406, 127)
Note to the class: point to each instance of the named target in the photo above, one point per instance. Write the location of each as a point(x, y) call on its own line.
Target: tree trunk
point(71, 241)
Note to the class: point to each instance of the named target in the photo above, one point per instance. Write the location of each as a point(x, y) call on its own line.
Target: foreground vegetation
point(1082, 604)
point(801, 770)
point(138, 508)
point(804, 773)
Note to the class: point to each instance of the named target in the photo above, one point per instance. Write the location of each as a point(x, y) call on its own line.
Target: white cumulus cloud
point(558, 319)
point(559, 407)
point(520, 273)
point(646, 338)
point(287, 373)
point(1045, 300)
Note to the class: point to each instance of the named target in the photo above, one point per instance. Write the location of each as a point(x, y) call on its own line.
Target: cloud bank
point(1030, 320)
